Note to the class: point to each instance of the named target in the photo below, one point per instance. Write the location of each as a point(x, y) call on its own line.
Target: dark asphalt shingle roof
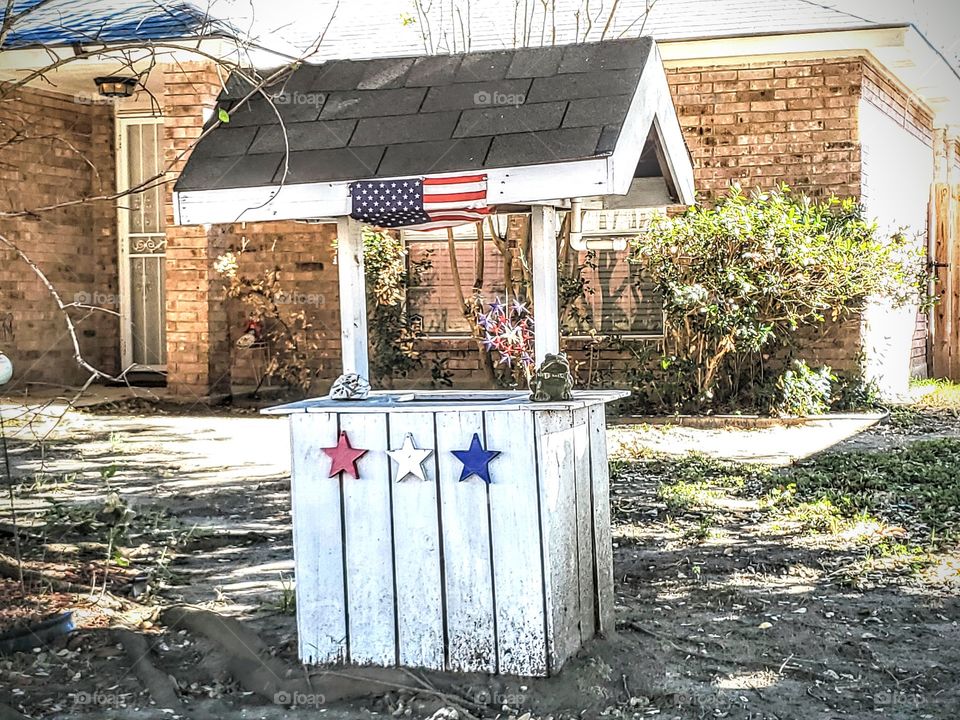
point(348, 120)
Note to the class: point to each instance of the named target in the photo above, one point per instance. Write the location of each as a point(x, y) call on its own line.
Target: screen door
point(143, 243)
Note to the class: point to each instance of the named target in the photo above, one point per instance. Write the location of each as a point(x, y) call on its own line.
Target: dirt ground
point(744, 617)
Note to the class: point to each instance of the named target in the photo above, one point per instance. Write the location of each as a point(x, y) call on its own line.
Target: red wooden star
point(343, 457)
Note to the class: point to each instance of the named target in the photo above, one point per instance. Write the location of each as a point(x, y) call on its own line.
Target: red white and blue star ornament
point(410, 458)
point(476, 460)
point(343, 457)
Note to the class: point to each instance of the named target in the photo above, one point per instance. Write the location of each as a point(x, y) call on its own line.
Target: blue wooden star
point(476, 460)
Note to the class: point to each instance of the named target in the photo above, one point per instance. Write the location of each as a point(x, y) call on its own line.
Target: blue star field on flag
point(476, 460)
point(389, 203)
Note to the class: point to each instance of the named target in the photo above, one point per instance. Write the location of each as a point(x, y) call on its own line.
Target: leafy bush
point(392, 337)
point(916, 487)
point(740, 278)
point(852, 392)
point(801, 390)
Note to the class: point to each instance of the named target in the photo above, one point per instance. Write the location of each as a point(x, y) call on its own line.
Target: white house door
point(143, 244)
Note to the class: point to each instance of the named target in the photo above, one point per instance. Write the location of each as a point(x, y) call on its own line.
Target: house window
point(620, 298)
point(435, 300)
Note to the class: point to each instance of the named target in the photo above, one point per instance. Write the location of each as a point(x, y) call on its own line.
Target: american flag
point(421, 203)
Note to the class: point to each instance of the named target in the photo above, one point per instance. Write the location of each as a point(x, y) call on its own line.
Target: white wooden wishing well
point(508, 567)
point(510, 576)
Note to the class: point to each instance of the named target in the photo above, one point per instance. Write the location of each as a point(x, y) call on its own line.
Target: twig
point(10, 568)
point(13, 508)
point(439, 694)
point(784, 664)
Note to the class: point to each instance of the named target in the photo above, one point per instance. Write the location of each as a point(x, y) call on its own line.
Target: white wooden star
point(409, 458)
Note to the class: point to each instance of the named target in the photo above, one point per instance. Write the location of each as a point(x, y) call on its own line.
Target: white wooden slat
point(416, 539)
point(603, 539)
point(543, 228)
point(559, 518)
point(353, 298)
point(585, 549)
point(317, 541)
point(468, 582)
point(549, 183)
point(517, 551)
point(369, 544)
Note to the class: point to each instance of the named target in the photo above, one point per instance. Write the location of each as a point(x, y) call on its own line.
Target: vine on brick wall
point(392, 335)
point(292, 338)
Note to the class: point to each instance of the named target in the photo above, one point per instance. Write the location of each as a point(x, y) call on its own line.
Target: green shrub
point(851, 391)
point(392, 336)
point(801, 390)
point(740, 278)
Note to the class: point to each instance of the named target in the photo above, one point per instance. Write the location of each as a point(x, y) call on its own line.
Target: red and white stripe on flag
point(453, 200)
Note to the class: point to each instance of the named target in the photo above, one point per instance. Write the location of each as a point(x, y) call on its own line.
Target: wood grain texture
point(371, 620)
point(585, 550)
point(353, 297)
point(558, 515)
point(603, 539)
point(416, 541)
point(517, 551)
point(317, 541)
point(543, 249)
point(466, 548)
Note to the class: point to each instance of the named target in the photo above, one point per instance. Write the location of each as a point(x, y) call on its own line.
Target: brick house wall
point(763, 124)
point(198, 350)
point(54, 149)
point(759, 124)
point(305, 255)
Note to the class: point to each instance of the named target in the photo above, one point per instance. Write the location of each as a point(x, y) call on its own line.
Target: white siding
point(897, 172)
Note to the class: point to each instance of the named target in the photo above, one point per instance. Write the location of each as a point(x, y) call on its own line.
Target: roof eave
point(901, 49)
point(184, 49)
point(652, 108)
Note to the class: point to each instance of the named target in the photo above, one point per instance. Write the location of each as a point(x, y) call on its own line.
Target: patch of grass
point(939, 394)
point(701, 532)
point(633, 448)
point(287, 602)
point(913, 492)
point(679, 497)
point(906, 418)
point(700, 469)
point(816, 515)
point(617, 467)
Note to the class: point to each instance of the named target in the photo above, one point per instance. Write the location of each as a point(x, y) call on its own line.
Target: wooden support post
point(945, 229)
point(543, 251)
point(353, 298)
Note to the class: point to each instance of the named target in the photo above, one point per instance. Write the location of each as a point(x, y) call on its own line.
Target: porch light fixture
point(119, 87)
